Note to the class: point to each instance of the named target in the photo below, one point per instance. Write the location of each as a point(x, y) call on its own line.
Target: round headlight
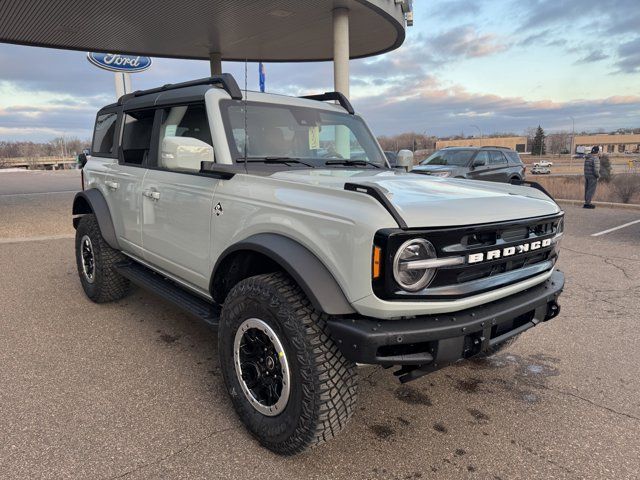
point(407, 273)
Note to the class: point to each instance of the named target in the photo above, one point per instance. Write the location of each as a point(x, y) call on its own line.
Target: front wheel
point(288, 381)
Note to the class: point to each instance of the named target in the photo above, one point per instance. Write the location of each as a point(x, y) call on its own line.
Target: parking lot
point(133, 389)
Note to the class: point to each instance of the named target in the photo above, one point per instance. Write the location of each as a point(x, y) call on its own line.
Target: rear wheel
point(288, 381)
point(96, 262)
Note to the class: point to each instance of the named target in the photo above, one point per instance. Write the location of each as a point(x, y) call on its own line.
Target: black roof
point(190, 91)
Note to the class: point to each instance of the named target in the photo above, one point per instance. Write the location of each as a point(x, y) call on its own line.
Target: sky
point(466, 67)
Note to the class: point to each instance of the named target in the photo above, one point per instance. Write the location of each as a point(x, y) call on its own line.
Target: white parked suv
point(277, 220)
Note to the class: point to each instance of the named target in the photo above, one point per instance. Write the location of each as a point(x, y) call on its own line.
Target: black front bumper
point(426, 343)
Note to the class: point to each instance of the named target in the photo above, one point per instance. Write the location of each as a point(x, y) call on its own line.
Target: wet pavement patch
point(439, 427)
point(383, 432)
point(478, 414)
point(403, 421)
point(412, 396)
point(469, 385)
point(168, 338)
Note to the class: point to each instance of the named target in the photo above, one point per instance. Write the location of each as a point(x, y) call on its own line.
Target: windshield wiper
point(351, 163)
point(284, 160)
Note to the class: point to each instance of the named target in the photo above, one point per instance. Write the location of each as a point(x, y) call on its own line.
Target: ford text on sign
point(119, 63)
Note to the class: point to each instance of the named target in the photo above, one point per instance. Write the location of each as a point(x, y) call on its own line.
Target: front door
point(177, 203)
point(481, 169)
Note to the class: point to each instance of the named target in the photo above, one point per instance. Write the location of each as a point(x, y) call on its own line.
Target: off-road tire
point(108, 284)
point(323, 382)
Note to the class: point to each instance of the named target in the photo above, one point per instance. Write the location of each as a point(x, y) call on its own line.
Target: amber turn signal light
point(377, 254)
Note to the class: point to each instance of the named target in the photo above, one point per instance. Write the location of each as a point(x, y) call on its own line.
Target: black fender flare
point(92, 201)
point(302, 265)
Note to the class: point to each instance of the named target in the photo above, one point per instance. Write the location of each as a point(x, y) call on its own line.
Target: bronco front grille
point(472, 278)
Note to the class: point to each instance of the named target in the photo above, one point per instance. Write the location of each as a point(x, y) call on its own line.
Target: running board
point(170, 291)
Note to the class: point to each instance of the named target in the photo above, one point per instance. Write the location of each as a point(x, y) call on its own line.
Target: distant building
point(609, 143)
point(519, 144)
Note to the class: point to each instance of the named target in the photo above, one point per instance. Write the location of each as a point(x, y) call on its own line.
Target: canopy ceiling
point(269, 30)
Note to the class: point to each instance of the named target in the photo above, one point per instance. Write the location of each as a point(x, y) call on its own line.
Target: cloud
point(594, 56)
point(615, 17)
point(466, 42)
point(629, 56)
point(445, 110)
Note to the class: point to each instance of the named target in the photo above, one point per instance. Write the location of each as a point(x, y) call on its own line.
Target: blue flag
point(262, 75)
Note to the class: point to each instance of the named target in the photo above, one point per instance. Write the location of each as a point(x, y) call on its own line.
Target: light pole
point(573, 137)
point(478, 128)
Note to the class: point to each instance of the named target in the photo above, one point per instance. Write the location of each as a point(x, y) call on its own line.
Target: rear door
point(499, 167)
point(124, 182)
point(178, 201)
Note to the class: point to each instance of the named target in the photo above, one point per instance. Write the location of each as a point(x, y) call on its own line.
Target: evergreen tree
point(538, 147)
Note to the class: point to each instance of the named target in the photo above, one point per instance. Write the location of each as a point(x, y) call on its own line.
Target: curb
point(624, 206)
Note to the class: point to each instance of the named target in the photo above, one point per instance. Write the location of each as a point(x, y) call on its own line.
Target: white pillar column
point(341, 72)
point(122, 83)
point(341, 50)
point(215, 62)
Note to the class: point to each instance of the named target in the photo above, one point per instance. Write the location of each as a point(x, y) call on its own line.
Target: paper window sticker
point(314, 138)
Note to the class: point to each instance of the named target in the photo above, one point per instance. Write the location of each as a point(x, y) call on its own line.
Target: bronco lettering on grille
point(508, 251)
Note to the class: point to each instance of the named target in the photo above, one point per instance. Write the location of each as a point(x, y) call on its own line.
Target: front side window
point(459, 158)
point(482, 158)
point(136, 136)
point(104, 134)
point(314, 136)
point(187, 126)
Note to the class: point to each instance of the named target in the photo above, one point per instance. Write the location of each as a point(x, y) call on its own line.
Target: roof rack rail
point(225, 80)
point(323, 97)
point(495, 146)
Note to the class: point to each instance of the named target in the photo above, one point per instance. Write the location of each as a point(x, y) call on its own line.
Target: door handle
point(112, 185)
point(152, 194)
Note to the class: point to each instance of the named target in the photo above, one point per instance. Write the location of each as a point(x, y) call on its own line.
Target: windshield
point(459, 158)
point(314, 137)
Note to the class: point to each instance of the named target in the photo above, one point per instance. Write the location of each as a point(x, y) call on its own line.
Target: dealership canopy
point(215, 30)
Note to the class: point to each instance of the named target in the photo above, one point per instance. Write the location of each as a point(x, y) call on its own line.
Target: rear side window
point(104, 134)
point(136, 137)
point(497, 158)
point(514, 157)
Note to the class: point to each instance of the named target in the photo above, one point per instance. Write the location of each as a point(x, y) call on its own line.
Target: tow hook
point(553, 309)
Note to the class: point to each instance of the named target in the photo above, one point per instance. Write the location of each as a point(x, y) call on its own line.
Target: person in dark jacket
point(591, 176)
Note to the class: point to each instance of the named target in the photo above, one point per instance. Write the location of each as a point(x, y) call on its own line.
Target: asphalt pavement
point(133, 389)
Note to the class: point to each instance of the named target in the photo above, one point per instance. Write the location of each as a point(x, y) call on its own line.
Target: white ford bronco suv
point(278, 221)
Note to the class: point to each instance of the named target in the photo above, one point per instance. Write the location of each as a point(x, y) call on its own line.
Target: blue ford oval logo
point(119, 63)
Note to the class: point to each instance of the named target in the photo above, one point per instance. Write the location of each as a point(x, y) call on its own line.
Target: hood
point(426, 201)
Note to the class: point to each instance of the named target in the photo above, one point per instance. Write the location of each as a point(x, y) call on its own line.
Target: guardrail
point(38, 163)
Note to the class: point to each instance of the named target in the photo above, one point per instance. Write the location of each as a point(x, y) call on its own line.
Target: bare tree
point(559, 142)
point(626, 186)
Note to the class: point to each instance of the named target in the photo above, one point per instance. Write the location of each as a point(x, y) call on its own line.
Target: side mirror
point(184, 153)
point(82, 160)
point(405, 160)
